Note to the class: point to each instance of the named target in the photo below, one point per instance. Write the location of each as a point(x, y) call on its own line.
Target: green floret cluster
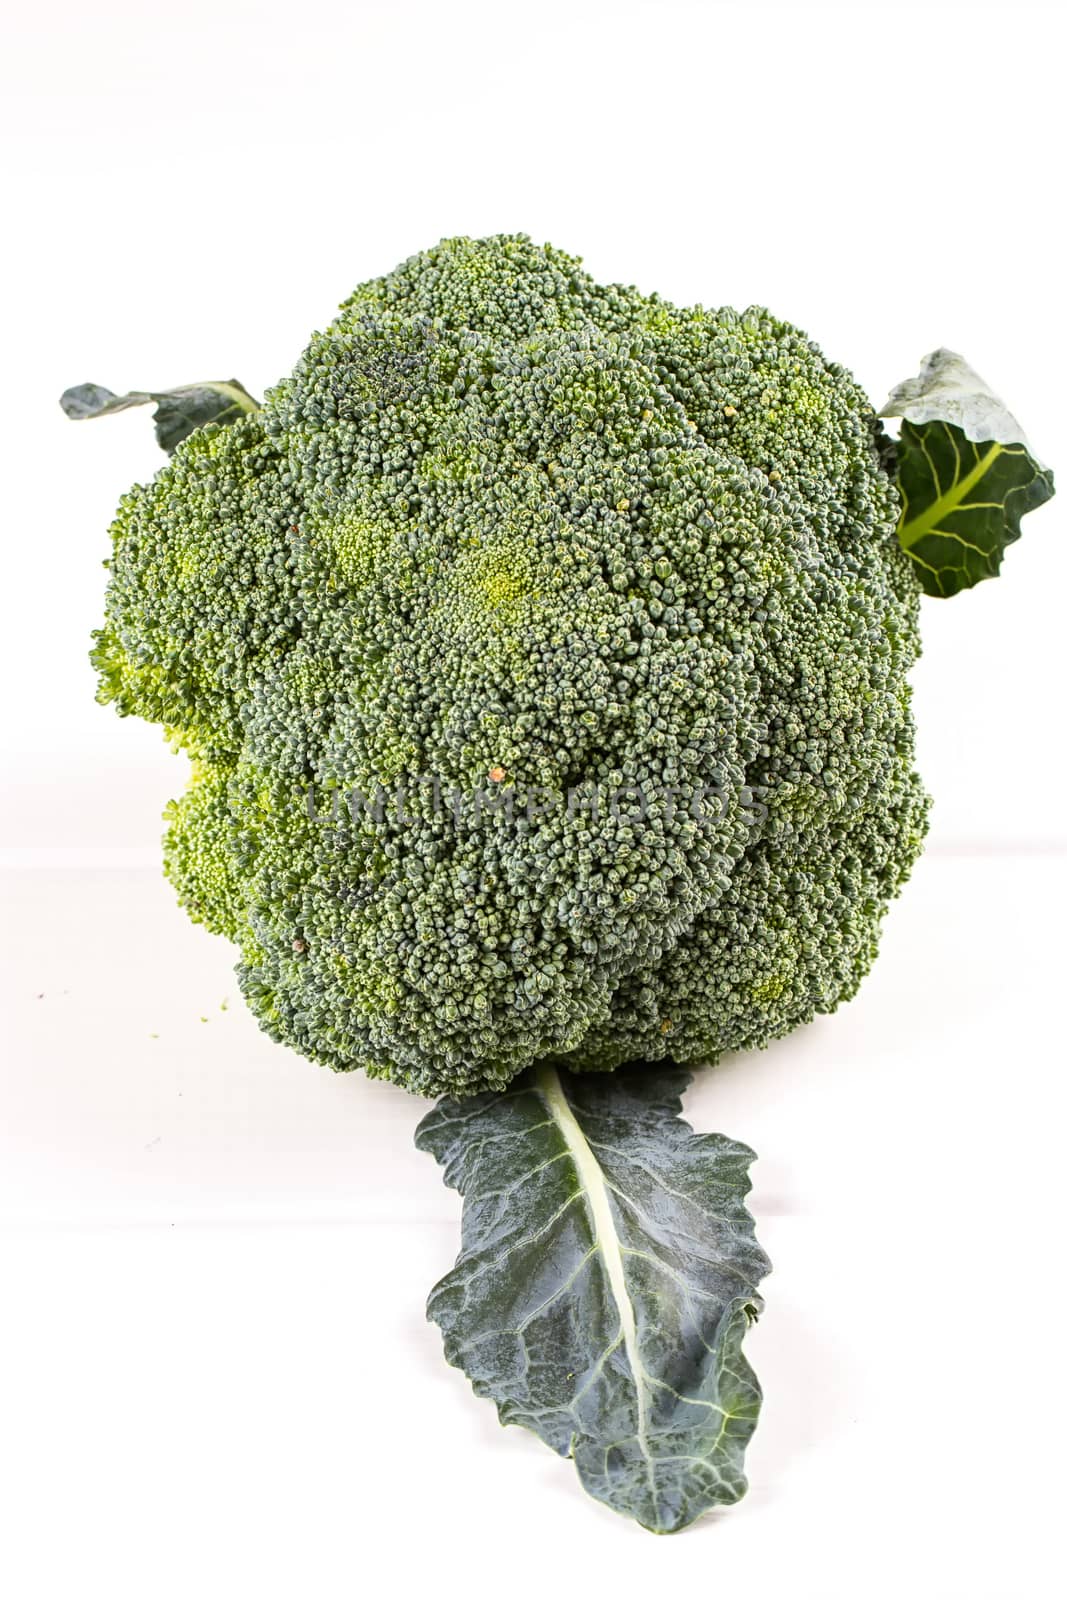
point(551, 562)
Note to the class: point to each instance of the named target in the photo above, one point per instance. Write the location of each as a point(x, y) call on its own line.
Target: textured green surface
point(505, 520)
point(607, 1275)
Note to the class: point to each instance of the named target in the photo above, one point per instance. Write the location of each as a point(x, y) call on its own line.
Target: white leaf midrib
point(606, 1238)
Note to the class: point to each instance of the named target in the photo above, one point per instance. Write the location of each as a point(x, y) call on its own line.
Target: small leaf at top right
point(965, 473)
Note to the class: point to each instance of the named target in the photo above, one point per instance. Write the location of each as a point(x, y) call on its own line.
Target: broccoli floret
point(542, 651)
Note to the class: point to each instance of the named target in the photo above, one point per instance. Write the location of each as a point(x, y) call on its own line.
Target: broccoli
point(501, 520)
point(541, 653)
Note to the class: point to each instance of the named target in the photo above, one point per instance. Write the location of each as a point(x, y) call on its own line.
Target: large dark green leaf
point(965, 473)
point(607, 1275)
point(179, 412)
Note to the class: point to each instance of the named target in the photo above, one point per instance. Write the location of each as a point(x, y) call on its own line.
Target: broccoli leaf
point(965, 472)
point(179, 412)
point(607, 1276)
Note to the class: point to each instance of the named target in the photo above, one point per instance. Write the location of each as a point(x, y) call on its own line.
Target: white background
point(215, 1379)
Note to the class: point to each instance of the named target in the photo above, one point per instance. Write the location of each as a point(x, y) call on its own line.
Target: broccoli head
point(541, 651)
